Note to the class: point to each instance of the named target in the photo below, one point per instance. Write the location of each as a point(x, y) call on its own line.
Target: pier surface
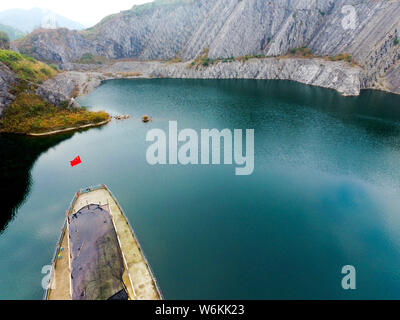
point(138, 278)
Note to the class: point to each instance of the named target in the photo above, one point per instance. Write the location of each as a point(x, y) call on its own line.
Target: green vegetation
point(29, 113)
point(205, 61)
point(342, 57)
point(252, 56)
point(301, 52)
point(305, 52)
point(202, 60)
point(4, 41)
point(226, 60)
point(54, 66)
point(26, 68)
point(89, 58)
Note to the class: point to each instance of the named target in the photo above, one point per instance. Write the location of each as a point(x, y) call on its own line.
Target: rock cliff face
point(333, 75)
point(368, 30)
point(185, 28)
point(317, 72)
point(69, 85)
point(7, 79)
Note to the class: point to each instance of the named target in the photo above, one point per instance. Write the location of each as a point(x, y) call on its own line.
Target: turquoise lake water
point(324, 192)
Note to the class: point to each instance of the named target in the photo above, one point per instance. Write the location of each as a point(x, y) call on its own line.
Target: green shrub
point(29, 58)
point(8, 57)
point(31, 114)
point(54, 66)
point(89, 58)
point(45, 71)
point(26, 68)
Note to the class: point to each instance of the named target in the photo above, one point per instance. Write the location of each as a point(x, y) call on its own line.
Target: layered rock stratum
point(7, 80)
point(367, 30)
point(66, 85)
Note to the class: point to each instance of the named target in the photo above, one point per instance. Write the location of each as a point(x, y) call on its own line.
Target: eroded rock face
point(7, 79)
point(235, 28)
point(67, 85)
point(54, 45)
point(226, 27)
point(333, 75)
point(317, 72)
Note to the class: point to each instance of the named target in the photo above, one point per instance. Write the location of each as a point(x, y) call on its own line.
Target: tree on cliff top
point(4, 41)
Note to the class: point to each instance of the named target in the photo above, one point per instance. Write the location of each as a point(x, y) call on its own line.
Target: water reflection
point(17, 156)
point(324, 193)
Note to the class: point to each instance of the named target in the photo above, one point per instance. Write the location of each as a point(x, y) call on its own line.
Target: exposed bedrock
point(318, 72)
point(7, 80)
point(368, 30)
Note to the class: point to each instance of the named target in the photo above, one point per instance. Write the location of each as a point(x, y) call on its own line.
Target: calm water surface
point(324, 193)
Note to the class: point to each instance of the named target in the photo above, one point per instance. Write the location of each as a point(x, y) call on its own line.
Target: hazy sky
point(87, 12)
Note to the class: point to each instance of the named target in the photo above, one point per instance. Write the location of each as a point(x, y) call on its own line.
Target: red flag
point(76, 161)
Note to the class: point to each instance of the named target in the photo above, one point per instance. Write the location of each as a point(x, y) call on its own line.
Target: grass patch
point(54, 67)
point(26, 68)
point(306, 53)
point(204, 61)
point(302, 52)
point(248, 57)
point(31, 114)
point(342, 57)
point(89, 58)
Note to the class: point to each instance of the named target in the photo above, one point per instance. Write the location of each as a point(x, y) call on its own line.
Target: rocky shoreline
point(222, 29)
point(86, 126)
point(339, 76)
point(317, 72)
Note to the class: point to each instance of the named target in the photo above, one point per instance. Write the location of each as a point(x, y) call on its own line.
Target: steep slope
point(226, 28)
point(25, 110)
point(7, 79)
